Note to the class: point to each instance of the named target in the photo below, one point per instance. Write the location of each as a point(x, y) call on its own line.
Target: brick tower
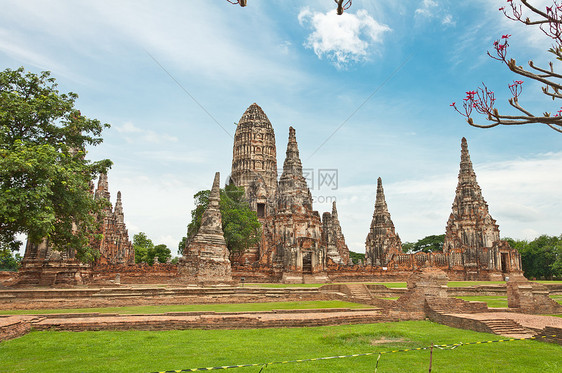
point(254, 160)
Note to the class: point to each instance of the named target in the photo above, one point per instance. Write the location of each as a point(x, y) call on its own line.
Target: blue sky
point(368, 93)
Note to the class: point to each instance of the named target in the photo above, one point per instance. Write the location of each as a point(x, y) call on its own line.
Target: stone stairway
point(359, 292)
point(508, 328)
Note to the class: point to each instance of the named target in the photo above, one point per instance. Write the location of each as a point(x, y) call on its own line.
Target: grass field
point(142, 351)
point(218, 307)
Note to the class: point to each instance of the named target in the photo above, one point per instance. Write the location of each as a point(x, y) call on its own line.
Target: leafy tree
point(239, 223)
point(356, 257)
point(9, 261)
point(181, 245)
point(44, 175)
point(142, 245)
point(433, 243)
point(482, 100)
point(160, 252)
point(408, 246)
point(542, 257)
point(147, 252)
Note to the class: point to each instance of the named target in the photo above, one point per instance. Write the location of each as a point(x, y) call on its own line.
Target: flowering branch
point(482, 100)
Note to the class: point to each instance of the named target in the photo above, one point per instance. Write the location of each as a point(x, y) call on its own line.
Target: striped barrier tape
point(442, 347)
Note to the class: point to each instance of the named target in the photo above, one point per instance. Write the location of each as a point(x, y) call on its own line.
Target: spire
point(382, 241)
point(118, 211)
point(206, 255)
point(214, 197)
point(211, 222)
point(470, 223)
point(293, 190)
point(466, 172)
point(292, 162)
point(334, 211)
point(468, 196)
point(102, 190)
point(381, 207)
point(333, 238)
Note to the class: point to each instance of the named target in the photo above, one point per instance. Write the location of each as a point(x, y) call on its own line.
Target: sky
point(368, 93)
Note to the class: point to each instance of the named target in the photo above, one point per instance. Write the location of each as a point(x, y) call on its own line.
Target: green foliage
point(147, 252)
point(433, 243)
point(240, 224)
point(160, 252)
point(9, 261)
point(182, 244)
point(541, 258)
point(142, 245)
point(356, 257)
point(44, 176)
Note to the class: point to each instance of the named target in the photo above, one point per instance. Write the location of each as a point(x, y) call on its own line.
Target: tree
point(239, 223)
point(433, 243)
point(44, 175)
point(542, 257)
point(181, 245)
point(160, 252)
point(142, 245)
point(482, 100)
point(9, 261)
point(147, 252)
point(356, 257)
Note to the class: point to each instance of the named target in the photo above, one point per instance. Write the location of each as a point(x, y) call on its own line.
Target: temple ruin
point(472, 249)
point(297, 245)
point(115, 246)
point(205, 258)
point(43, 265)
point(382, 242)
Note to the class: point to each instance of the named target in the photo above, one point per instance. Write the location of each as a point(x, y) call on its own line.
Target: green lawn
point(143, 351)
point(492, 301)
point(226, 307)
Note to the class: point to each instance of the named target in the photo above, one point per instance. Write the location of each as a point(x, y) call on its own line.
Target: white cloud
point(147, 136)
point(428, 8)
point(448, 20)
point(432, 9)
point(343, 39)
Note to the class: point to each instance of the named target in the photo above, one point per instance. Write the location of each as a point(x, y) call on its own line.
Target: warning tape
point(441, 347)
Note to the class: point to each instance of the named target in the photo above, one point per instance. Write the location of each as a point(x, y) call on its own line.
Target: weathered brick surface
point(126, 296)
point(530, 297)
point(205, 258)
point(551, 334)
point(210, 320)
point(15, 326)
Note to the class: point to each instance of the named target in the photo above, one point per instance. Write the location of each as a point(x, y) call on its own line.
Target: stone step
point(507, 327)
